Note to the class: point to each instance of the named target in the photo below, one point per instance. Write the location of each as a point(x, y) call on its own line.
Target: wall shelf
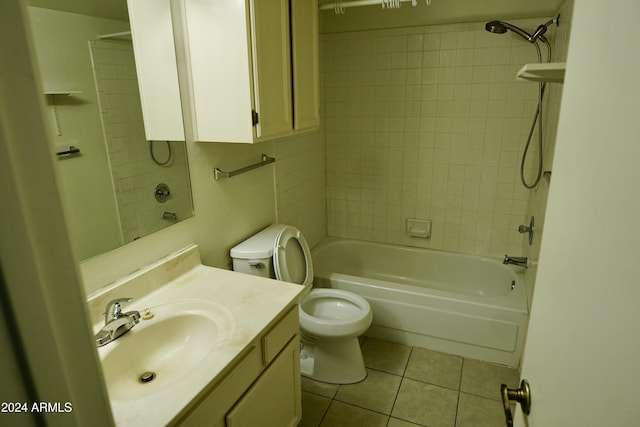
point(553, 72)
point(52, 105)
point(62, 92)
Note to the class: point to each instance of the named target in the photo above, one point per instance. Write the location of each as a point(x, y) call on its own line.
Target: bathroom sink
point(167, 347)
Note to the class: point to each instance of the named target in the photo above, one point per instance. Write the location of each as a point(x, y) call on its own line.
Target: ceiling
point(439, 12)
point(110, 9)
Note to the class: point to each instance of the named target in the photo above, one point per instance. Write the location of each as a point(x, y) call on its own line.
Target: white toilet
point(330, 320)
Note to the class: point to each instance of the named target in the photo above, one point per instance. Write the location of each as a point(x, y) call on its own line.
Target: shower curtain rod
point(339, 6)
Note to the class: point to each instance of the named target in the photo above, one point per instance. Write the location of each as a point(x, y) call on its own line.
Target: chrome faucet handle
point(134, 316)
point(114, 309)
point(528, 229)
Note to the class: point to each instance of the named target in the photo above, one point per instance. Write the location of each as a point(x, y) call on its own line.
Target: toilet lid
point(292, 257)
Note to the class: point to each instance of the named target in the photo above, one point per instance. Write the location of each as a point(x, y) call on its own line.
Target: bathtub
point(460, 304)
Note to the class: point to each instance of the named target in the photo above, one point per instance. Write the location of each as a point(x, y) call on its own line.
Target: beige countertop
point(250, 305)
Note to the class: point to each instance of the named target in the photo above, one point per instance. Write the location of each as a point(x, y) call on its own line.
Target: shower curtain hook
point(428, 2)
point(339, 9)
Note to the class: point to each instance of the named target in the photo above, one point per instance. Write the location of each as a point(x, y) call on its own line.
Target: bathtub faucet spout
point(520, 261)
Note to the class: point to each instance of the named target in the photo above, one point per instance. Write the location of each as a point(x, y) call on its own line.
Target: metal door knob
point(521, 395)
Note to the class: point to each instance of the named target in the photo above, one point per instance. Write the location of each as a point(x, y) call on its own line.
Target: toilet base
point(336, 361)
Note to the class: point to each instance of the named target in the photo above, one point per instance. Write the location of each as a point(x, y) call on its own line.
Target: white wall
point(40, 281)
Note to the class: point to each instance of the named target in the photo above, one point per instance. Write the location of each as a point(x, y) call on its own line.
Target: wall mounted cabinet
point(245, 75)
point(305, 64)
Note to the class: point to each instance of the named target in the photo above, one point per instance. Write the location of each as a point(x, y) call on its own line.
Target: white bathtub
point(460, 304)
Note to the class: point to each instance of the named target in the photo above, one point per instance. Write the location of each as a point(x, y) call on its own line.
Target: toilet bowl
point(334, 313)
point(331, 320)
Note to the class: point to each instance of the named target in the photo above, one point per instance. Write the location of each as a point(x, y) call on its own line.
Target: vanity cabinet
point(248, 69)
point(261, 389)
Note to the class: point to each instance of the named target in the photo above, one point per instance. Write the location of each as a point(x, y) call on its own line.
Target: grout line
point(402, 378)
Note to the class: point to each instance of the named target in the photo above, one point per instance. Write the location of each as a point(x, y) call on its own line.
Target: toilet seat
point(292, 258)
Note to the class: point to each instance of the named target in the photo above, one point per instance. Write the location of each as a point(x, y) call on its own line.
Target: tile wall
point(135, 176)
point(300, 184)
point(538, 197)
point(428, 122)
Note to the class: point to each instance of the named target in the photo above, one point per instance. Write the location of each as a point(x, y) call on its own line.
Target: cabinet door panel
point(272, 67)
point(304, 42)
point(215, 42)
point(274, 400)
point(153, 43)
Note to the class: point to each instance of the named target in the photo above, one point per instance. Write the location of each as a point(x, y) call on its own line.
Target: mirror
point(116, 186)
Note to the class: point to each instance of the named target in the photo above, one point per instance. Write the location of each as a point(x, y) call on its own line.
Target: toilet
point(331, 320)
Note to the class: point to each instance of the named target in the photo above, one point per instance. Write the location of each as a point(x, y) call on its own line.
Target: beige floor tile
point(377, 392)
point(395, 422)
point(434, 367)
point(317, 387)
point(385, 356)
point(426, 404)
point(484, 379)
point(313, 409)
point(344, 415)
point(474, 411)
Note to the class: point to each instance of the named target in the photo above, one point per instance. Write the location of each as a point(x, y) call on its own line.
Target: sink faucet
point(520, 261)
point(116, 323)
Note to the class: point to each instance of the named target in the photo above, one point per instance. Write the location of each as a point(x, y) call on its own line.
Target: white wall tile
point(446, 123)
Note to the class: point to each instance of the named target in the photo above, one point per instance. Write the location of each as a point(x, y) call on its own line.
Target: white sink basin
point(168, 348)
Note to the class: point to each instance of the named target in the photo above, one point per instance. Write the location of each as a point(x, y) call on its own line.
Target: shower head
point(496, 27)
point(501, 27)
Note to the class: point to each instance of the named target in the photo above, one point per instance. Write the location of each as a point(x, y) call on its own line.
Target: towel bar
point(219, 174)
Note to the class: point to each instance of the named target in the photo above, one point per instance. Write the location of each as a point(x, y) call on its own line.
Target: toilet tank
point(255, 255)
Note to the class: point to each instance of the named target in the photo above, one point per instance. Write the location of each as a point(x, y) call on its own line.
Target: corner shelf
point(52, 104)
point(553, 72)
point(62, 92)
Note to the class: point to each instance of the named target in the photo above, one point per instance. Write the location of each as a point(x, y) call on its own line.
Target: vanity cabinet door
point(305, 64)
point(274, 400)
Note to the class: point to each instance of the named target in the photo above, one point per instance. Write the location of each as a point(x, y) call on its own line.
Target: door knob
point(521, 395)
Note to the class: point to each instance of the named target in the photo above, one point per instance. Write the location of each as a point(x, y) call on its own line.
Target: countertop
point(254, 303)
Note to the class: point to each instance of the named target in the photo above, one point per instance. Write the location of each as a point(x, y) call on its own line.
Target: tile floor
point(410, 386)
